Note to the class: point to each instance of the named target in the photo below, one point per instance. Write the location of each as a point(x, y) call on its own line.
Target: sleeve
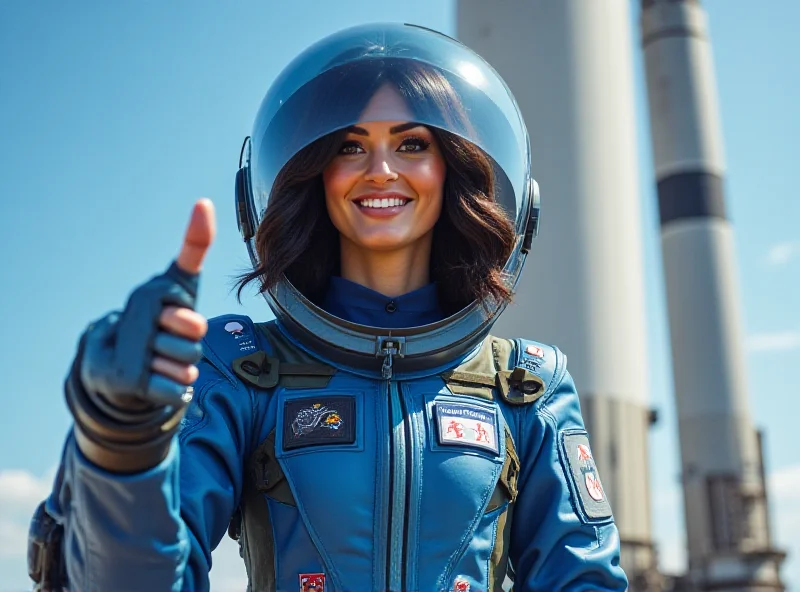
point(155, 530)
point(563, 535)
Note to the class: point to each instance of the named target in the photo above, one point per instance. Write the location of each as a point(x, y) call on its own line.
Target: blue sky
point(115, 117)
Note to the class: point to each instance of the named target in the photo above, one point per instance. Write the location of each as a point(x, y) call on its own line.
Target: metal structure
point(570, 65)
point(727, 527)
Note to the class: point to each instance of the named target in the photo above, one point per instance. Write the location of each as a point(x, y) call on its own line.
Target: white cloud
point(779, 341)
point(782, 253)
point(227, 568)
point(20, 493)
point(784, 491)
point(20, 488)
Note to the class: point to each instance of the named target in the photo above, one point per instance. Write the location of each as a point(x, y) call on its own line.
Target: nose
point(380, 170)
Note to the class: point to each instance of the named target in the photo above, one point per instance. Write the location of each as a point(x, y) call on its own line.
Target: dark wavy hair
point(472, 239)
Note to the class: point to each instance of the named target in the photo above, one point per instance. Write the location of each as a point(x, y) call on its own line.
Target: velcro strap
point(264, 372)
point(469, 377)
point(519, 386)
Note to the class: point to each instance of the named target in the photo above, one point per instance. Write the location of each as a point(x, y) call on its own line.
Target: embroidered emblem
point(312, 582)
point(532, 358)
point(244, 341)
point(584, 475)
point(234, 328)
point(594, 487)
point(466, 425)
point(534, 350)
point(461, 585)
point(323, 420)
point(317, 416)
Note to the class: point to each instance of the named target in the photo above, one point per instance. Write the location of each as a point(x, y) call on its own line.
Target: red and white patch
point(467, 425)
point(534, 350)
point(312, 582)
point(461, 585)
point(234, 328)
point(594, 487)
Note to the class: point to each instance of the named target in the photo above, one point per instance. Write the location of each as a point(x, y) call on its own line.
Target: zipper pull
point(386, 369)
point(387, 347)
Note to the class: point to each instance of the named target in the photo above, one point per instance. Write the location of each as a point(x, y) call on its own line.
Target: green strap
point(469, 377)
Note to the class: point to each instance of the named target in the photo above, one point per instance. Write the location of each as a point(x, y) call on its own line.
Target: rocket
point(569, 64)
point(725, 502)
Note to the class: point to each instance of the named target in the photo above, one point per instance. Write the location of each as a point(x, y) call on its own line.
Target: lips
point(385, 205)
point(381, 201)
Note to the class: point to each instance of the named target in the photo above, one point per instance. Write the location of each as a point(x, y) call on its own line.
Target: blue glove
point(125, 414)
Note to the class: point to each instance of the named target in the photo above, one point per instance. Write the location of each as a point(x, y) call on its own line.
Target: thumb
point(198, 237)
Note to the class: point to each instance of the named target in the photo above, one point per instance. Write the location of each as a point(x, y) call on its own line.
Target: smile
point(386, 202)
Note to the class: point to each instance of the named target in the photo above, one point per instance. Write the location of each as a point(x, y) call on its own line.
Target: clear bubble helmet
point(324, 90)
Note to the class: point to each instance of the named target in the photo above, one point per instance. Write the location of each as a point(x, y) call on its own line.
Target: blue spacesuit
point(359, 444)
point(406, 483)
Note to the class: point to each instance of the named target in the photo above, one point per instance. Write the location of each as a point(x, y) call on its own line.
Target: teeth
point(386, 202)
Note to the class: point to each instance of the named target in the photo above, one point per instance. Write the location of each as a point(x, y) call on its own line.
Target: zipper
point(399, 450)
point(407, 477)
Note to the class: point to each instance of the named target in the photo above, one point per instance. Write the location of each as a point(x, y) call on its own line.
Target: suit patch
point(532, 358)
point(319, 420)
point(244, 340)
point(312, 582)
point(462, 424)
point(585, 478)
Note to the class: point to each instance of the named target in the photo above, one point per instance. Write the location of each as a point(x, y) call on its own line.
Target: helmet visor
point(443, 86)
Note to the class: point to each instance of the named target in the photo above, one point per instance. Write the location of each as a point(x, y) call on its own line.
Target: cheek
point(337, 181)
point(428, 182)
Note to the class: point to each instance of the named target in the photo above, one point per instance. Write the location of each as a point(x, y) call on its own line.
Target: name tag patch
point(462, 424)
point(315, 421)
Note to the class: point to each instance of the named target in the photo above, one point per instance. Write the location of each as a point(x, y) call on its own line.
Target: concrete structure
point(569, 64)
point(729, 546)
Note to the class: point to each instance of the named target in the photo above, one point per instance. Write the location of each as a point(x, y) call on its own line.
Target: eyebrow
point(360, 131)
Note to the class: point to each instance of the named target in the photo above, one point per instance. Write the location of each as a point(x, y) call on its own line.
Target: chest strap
point(290, 366)
point(264, 372)
point(494, 369)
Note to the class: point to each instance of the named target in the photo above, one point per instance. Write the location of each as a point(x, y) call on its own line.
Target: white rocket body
point(569, 64)
point(727, 529)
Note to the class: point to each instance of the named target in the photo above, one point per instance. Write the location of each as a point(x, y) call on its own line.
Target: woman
point(374, 436)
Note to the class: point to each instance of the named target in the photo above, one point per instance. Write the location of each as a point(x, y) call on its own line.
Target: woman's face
point(383, 189)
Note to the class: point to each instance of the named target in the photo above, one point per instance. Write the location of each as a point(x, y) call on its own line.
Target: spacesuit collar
point(378, 351)
point(359, 304)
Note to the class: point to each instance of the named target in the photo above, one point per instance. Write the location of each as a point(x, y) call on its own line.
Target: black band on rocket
point(690, 195)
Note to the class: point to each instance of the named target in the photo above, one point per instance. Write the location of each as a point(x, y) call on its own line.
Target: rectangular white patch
point(463, 424)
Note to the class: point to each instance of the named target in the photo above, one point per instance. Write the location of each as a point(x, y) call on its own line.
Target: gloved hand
point(128, 385)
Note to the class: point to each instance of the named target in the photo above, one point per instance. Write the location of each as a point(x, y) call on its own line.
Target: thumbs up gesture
point(128, 385)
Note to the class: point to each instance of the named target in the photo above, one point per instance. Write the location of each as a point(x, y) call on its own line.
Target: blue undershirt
point(359, 304)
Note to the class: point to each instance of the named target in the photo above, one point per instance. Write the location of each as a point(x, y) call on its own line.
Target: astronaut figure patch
point(466, 425)
point(582, 471)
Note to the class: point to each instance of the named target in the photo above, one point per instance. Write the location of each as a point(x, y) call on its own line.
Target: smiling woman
point(373, 436)
point(324, 218)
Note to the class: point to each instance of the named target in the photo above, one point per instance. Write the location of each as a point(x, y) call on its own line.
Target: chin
point(383, 242)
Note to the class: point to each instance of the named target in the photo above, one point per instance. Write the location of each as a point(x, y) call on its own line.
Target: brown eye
point(351, 147)
point(414, 145)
